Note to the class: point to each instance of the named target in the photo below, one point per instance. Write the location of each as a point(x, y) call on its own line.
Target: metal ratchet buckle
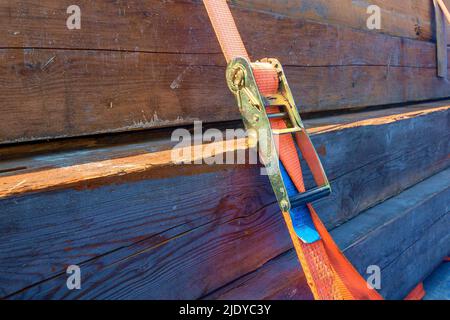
point(252, 105)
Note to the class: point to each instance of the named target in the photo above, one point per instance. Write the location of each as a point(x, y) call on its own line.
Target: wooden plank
point(429, 251)
point(437, 286)
point(131, 25)
point(129, 225)
point(413, 225)
point(410, 19)
point(158, 137)
point(104, 220)
point(419, 233)
point(134, 91)
point(192, 34)
point(51, 90)
point(441, 41)
point(279, 279)
point(133, 158)
point(398, 147)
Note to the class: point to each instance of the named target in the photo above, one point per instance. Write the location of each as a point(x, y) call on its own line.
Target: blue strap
point(301, 217)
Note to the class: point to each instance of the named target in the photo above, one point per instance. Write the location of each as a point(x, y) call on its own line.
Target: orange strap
point(329, 274)
point(226, 31)
point(417, 294)
point(232, 46)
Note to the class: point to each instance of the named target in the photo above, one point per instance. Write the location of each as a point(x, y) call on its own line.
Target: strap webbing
point(417, 294)
point(329, 274)
point(226, 31)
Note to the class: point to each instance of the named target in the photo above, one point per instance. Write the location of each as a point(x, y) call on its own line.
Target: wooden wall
point(142, 227)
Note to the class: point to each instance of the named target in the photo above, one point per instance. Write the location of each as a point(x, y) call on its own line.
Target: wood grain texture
point(124, 217)
point(136, 91)
point(412, 226)
point(441, 41)
point(410, 19)
point(130, 25)
point(130, 226)
point(57, 83)
point(382, 158)
point(419, 233)
point(64, 169)
point(279, 279)
point(437, 286)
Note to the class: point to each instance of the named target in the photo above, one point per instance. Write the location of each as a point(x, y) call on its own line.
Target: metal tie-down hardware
point(252, 105)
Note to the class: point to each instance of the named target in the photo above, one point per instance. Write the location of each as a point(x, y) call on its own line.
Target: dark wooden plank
point(192, 34)
point(184, 266)
point(279, 279)
point(411, 18)
point(132, 218)
point(83, 92)
point(383, 158)
point(114, 217)
point(164, 26)
point(441, 41)
point(343, 159)
point(51, 90)
point(412, 226)
point(428, 252)
point(437, 285)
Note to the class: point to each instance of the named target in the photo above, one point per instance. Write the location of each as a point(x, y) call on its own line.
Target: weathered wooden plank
point(100, 87)
point(437, 286)
point(84, 92)
point(107, 219)
point(135, 217)
point(192, 34)
point(99, 273)
point(279, 279)
point(419, 233)
point(429, 251)
point(118, 159)
point(412, 226)
point(132, 25)
point(441, 41)
point(170, 272)
point(164, 26)
point(411, 19)
point(403, 151)
point(159, 142)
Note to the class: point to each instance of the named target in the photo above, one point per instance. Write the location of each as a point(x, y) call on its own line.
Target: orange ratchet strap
point(268, 108)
